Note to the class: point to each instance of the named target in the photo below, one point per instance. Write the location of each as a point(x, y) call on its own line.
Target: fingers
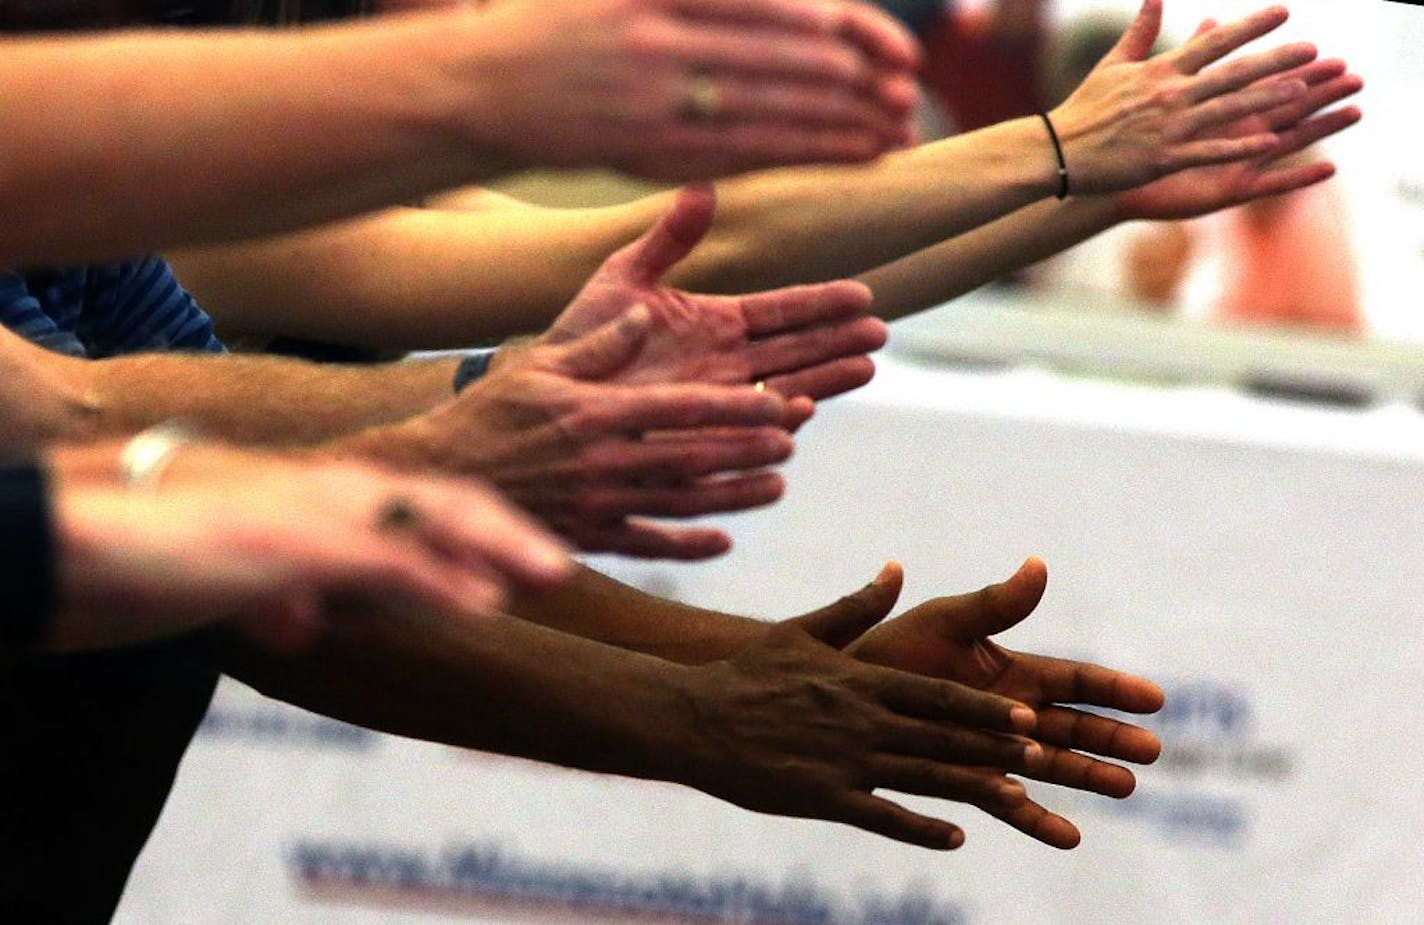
point(1221, 41)
point(928, 698)
point(407, 570)
point(808, 18)
point(1099, 735)
point(704, 496)
point(1038, 823)
point(1066, 768)
point(790, 307)
point(825, 380)
point(923, 777)
point(1137, 41)
point(883, 37)
point(885, 817)
point(1260, 98)
point(1064, 681)
point(811, 347)
point(633, 409)
point(1235, 75)
point(478, 528)
point(1225, 150)
point(809, 104)
point(646, 540)
point(1319, 95)
point(673, 236)
point(1284, 180)
point(839, 624)
point(713, 48)
point(664, 458)
point(960, 745)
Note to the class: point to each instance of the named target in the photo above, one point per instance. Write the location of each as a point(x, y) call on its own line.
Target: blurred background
point(1210, 430)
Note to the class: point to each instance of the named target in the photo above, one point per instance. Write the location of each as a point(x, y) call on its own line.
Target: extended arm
point(215, 534)
point(125, 143)
point(496, 266)
point(744, 697)
point(434, 277)
point(266, 400)
point(789, 726)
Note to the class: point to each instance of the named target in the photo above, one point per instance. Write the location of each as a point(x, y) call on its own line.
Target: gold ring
point(701, 98)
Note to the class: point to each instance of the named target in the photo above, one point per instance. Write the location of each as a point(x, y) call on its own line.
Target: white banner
point(1261, 561)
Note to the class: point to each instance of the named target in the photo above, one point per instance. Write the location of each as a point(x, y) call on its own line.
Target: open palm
point(949, 638)
point(802, 340)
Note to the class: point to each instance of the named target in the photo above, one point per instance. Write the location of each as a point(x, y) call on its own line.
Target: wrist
point(458, 50)
point(422, 72)
point(1035, 156)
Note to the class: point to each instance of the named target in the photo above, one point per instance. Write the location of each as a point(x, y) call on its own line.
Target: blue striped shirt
point(105, 310)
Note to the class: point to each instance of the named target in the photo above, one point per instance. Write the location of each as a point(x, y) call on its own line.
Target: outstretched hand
point(263, 542)
point(1136, 118)
point(793, 727)
point(1297, 124)
point(949, 638)
point(555, 430)
point(809, 341)
point(695, 89)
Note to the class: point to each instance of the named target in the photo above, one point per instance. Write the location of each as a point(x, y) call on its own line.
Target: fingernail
point(1023, 719)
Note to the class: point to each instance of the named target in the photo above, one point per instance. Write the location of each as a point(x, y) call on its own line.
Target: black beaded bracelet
point(1058, 150)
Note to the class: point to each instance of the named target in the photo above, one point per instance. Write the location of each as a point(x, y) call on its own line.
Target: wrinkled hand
point(553, 428)
point(807, 341)
point(793, 727)
point(263, 541)
point(949, 638)
point(1135, 119)
point(695, 89)
point(1298, 124)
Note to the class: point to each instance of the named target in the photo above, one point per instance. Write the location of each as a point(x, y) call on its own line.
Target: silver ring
point(146, 456)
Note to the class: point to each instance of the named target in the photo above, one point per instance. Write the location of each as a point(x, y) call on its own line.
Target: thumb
point(1136, 43)
point(609, 347)
point(997, 607)
point(849, 618)
point(672, 238)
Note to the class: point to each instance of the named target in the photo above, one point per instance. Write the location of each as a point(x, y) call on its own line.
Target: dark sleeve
point(26, 555)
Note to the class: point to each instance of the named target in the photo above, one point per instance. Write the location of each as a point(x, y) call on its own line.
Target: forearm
point(245, 399)
point(124, 143)
point(411, 278)
point(440, 277)
point(502, 685)
point(597, 607)
point(798, 226)
point(944, 272)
